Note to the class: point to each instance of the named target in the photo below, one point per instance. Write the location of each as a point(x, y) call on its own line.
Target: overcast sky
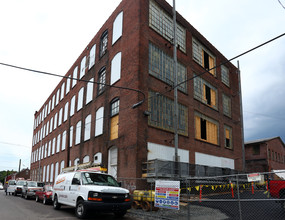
point(50, 35)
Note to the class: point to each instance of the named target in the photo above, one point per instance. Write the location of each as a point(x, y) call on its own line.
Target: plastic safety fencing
point(239, 196)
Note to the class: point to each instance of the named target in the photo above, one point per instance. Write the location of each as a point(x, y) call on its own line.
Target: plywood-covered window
point(82, 67)
point(117, 27)
point(92, 56)
point(116, 68)
point(203, 56)
point(78, 133)
point(80, 99)
point(89, 93)
point(206, 129)
point(205, 92)
point(99, 121)
point(87, 128)
point(228, 137)
point(114, 126)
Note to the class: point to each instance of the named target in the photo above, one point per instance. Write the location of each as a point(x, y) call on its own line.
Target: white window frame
point(99, 121)
point(116, 68)
point(87, 128)
point(80, 99)
point(92, 56)
point(117, 27)
point(78, 133)
point(89, 92)
point(82, 67)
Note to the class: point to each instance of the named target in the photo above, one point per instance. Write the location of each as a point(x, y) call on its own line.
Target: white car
point(86, 190)
point(1, 186)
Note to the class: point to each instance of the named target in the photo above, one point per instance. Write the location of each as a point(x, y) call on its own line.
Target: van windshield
point(98, 179)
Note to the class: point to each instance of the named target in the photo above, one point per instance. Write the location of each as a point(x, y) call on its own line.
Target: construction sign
point(167, 194)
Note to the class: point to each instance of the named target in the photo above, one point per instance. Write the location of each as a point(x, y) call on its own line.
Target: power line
point(281, 4)
point(82, 80)
point(265, 115)
point(19, 145)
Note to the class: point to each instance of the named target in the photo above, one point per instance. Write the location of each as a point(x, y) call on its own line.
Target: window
point(53, 146)
point(53, 102)
point(56, 170)
point(71, 136)
point(49, 106)
point(269, 154)
point(228, 137)
point(49, 148)
point(76, 161)
point(82, 67)
point(206, 129)
point(80, 99)
point(162, 113)
point(92, 56)
point(87, 128)
point(63, 141)
point(60, 117)
point(116, 68)
point(72, 106)
point(44, 173)
point(78, 133)
point(65, 111)
point(86, 159)
point(62, 91)
point(114, 119)
point(225, 75)
point(117, 27)
point(227, 105)
point(67, 84)
point(74, 76)
point(61, 166)
point(55, 121)
point(58, 143)
point(101, 80)
point(99, 121)
point(112, 161)
point(256, 149)
point(45, 154)
point(205, 92)
point(103, 43)
point(161, 66)
point(47, 128)
point(202, 56)
point(89, 95)
point(57, 97)
point(51, 173)
point(272, 155)
point(162, 23)
point(47, 176)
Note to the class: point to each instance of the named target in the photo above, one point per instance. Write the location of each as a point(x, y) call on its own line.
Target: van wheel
point(56, 205)
point(120, 214)
point(80, 209)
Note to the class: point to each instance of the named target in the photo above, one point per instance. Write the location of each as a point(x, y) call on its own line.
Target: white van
point(90, 190)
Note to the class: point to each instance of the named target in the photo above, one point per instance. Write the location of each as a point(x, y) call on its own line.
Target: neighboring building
point(84, 119)
point(265, 155)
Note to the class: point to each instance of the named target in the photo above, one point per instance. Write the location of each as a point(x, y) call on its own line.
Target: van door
point(74, 188)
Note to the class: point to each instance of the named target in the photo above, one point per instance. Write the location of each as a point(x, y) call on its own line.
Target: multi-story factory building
point(89, 116)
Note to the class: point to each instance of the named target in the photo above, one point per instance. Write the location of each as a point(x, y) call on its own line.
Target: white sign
point(253, 177)
point(167, 194)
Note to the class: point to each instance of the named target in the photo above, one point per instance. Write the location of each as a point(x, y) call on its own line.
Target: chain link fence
point(238, 196)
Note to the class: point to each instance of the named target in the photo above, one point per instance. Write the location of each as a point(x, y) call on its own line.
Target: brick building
point(265, 155)
point(84, 119)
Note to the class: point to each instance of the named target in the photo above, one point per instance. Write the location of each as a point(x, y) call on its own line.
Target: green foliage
point(5, 173)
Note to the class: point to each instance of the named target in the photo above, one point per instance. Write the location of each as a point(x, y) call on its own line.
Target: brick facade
point(265, 155)
point(134, 131)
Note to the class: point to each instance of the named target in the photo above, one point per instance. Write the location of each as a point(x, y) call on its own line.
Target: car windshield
point(32, 184)
point(98, 179)
point(21, 183)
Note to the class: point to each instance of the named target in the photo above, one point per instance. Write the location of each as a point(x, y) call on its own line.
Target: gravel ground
point(196, 213)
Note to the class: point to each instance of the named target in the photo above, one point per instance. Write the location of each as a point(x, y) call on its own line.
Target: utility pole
point(176, 158)
point(19, 165)
point(241, 119)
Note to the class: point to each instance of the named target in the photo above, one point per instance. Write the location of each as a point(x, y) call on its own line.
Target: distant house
point(265, 155)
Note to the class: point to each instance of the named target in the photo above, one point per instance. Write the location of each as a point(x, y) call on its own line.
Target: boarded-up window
point(206, 129)
point(117, 27)
point(205, 92)
point(114, 125)
point(92, 56)
point(228, 137)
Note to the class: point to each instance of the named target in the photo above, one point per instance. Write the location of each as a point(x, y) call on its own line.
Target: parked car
point(44, 195)
point(11, 187)
point(19, 187)
point(29, 189)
